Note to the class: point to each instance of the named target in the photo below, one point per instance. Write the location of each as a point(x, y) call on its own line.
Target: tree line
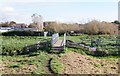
point(92, 27)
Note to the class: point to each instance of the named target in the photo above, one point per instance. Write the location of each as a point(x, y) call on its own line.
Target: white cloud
point(7, 9)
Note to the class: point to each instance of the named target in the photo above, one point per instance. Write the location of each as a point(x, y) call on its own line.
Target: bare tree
point(38, 20)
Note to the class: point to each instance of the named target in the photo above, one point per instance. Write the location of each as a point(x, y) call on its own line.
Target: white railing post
point(64, 41)
point(45, 34)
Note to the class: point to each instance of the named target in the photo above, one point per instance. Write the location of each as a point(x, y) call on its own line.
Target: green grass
point(39, 61)
point(14, 66)
point(97, 65)
point(16, 44)
point(40, 58)
point(107, 41)
point(56, 66)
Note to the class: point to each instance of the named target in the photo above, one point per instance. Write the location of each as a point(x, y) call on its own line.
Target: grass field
point(37, 62)
point(108, 43)
point(21, 64)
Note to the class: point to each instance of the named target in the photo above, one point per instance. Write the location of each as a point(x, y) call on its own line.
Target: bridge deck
point(58, 43)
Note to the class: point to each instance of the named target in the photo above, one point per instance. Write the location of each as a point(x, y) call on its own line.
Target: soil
point(26, 69)
point(75, 63)
point(23, 69)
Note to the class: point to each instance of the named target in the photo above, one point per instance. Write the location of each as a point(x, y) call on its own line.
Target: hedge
point(29, 33)
point(25, 33)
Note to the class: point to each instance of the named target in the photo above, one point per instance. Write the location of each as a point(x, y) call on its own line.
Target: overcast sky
point(59, 10)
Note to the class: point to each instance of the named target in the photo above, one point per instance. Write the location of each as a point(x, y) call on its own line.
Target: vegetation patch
point(36, 62)
point(14, 66)
point(22, 64)
point(97, 65)
point(56, 66)
point(107, 47)
point(94, 27)
point(14, 45)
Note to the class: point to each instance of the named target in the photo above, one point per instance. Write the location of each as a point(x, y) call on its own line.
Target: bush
point(17, 33)
point(96, 27)
point(61, 27)
point(93, 27)
point(56, 66)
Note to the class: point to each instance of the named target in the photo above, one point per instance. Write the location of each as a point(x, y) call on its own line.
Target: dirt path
point(80, 64)
point(48, 69)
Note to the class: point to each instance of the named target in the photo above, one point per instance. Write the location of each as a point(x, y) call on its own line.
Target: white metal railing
point(55, 38)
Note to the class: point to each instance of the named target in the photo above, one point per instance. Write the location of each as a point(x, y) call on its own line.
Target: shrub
point(93, 27)
point(18, 33)
point(96, 27)
point(61, 27)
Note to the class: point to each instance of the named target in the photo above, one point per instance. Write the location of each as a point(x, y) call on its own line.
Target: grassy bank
point(37, 62)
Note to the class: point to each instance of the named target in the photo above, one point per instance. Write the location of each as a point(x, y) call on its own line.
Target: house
point(21, 25)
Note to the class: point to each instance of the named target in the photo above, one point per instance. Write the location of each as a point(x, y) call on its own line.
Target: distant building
point(17, 27)
point(21, 25)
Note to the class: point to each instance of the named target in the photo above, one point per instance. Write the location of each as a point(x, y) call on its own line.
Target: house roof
point(21, 24)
